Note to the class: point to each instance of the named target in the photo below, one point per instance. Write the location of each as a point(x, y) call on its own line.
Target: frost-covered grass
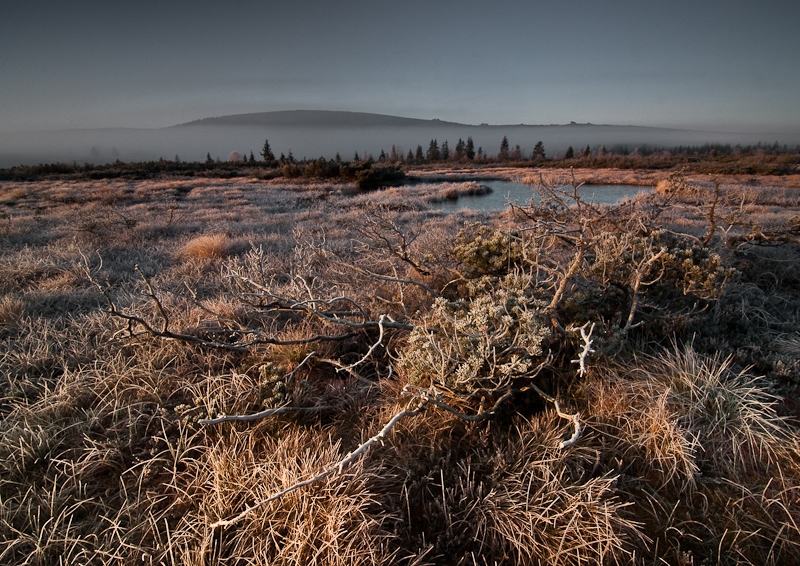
point(688, 451)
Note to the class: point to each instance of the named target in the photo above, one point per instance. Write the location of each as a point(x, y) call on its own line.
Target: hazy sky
point(727, 65)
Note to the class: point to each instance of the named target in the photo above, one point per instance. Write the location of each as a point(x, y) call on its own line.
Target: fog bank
point(314, 134)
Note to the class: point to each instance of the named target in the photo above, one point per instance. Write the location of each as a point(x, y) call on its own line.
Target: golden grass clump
point(534, 507)
point(11, 311)
point(333, 522)
point(207, 246)
point(682, 413)
point(702, 435)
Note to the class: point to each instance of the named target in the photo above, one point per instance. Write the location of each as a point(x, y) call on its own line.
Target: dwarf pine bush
point(496, 333)
point(484, 250)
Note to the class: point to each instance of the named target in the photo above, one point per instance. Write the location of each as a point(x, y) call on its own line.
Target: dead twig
point(587, 347)
point(263, 414)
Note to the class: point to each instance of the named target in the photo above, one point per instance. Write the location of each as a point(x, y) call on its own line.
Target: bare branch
point(587, 347)
point(430, 395)
point(368, 273)
point(336, 317)
point(712, 219)
point(263, 414)
point(381, 322)
point(241, 346)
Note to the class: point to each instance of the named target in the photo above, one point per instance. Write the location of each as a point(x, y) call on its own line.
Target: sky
point(722, 65)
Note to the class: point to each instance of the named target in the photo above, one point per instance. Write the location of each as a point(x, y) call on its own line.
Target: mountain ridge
point(315, 118)
point(344, 118)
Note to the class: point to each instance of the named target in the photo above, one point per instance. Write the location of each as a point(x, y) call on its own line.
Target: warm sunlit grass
point(208, 246)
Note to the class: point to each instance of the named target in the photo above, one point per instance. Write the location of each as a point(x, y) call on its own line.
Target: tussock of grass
point(11, 311)
point(334, 522)
point(789, 346)
point(207, 246)
point(693, 430)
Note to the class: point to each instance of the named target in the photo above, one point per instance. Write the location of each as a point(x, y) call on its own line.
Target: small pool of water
point(504, 192)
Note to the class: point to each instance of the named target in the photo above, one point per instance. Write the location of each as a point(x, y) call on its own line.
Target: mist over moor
point(311, 134)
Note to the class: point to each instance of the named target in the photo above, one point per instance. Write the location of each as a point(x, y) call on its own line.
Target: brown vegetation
point(557, 384)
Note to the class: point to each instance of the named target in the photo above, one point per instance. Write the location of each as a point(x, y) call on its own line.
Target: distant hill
point(317, 119)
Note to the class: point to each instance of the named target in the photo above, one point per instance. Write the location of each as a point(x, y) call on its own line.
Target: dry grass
point(684, 458)
point(692, 429)
point(334, 522)
point(11, 311)
point(207, 246)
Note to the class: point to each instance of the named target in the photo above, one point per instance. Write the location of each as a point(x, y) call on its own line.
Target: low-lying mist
point(193, 142)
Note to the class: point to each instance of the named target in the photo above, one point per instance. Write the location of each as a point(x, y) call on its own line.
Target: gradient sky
point(726, 65)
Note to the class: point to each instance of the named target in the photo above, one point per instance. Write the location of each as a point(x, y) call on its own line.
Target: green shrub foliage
point(482, 342)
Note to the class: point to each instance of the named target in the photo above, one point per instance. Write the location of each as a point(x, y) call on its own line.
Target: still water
point(504, 192)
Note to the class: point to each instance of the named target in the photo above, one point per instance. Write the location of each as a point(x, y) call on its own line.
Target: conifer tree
point(433, 151)
point(538, 151)
point(470, 149)
point(266, 152)
point(503, 155)
point(461, 148)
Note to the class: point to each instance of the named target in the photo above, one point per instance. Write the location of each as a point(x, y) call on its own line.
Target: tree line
point(387, 168)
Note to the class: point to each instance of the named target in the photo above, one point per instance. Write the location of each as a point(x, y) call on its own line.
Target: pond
point(504, 192)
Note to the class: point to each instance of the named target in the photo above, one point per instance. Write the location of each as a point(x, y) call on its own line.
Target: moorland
point(226, 364)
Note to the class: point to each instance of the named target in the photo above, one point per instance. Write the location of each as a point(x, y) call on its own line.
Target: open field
point(572, 384)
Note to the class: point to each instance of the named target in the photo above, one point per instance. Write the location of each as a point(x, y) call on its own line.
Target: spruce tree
point(538, 151)
point(503, 155)
point(266, 152)
point(433, 151)
point(470, 150)
point(461, 147)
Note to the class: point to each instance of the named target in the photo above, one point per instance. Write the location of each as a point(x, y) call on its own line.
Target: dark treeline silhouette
point(710, 158)
point(762, 159)
point(365, 173)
